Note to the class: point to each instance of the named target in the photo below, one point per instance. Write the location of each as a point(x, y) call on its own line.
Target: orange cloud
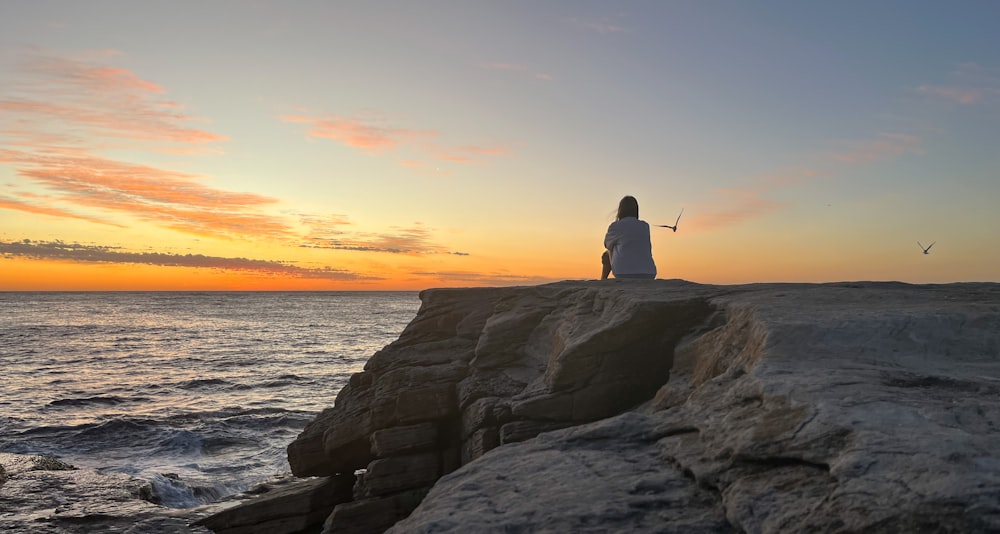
point(884, 146)
point(372, 136)
point(356, 134)
point(482, 151)
point(58, 113)
point(11, 204)
point(731, 207)
point(319, 222)
point(169, 198)
point(100, 101)
point(77, 253)
point(487, 279)
point(411, 241)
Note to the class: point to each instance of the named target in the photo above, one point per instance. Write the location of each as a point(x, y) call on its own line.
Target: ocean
point(198, 393)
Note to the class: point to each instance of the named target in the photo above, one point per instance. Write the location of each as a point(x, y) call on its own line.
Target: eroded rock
point(291, 509)
point(863, 407)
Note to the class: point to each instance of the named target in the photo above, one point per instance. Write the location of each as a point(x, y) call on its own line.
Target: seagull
point(674, 227)
point(927, 248)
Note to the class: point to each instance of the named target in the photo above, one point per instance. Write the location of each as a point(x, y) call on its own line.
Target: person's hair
point(628, 207)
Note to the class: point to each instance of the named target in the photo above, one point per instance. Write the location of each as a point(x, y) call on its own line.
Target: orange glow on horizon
point(19, 274)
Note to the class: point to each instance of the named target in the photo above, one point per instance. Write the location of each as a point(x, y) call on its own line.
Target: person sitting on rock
point(629, 251)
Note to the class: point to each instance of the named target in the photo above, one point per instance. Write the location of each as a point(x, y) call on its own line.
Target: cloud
point(169, 198)
point(517, 68)
point(962, 95)
point(56, 94)
point(482, 151)
point(968, 83)
point(732, 207)
point(78, 253)
point(415, 241)
point(58, 114)
point(357, 134)
point(17, 205)
point(883, 146)
point(787, 177)
point(493, 278)
point(375, 136)
point(602, 25)
point(318, 222)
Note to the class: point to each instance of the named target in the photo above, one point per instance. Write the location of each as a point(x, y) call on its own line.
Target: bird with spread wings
point(674, 227)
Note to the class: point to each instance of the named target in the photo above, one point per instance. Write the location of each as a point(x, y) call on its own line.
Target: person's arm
point(611, 238)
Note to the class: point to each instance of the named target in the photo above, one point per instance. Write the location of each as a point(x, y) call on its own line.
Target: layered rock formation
point(666, 406)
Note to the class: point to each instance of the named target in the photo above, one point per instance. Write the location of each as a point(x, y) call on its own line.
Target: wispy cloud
point(968, 83)
point(730, 207)
point(320, 223)
point(355, 133)
point(883, 146)
point(414, 241)
point(78, 253)
point(374, 135)
point(29, 207)
point(519, 69)
point(489, 278)
point(60, 113)
point(168, 198)
point(602, 25)
point(55, 94)
point(962, 95)
point(753, 199)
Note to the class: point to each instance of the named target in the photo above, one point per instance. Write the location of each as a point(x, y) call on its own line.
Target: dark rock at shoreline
point(44, 495)
point(293, 508)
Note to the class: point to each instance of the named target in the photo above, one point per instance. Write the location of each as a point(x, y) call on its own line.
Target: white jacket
point(631, 251)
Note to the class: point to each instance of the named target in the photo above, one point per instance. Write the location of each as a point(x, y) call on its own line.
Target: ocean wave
point(272, 384)
point(256, 415)
point(168, 489)
point(87, 401)
point(221, 393)
point(204, 383)
point(119, 429)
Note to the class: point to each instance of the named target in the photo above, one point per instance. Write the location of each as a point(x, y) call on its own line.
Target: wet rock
point(290, 509)
point(386, 476)
point(403, 439)
point(372, 515)
point(46, 495)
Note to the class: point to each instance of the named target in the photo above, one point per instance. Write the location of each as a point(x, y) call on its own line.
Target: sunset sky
point(370, 145)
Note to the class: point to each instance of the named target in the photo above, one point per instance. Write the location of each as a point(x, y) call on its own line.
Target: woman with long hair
point(629, 251)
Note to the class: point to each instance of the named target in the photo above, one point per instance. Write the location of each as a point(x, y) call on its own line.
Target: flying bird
point(927, 248)
point(674, 227)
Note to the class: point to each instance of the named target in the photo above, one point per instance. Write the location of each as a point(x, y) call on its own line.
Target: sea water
point(197, 393)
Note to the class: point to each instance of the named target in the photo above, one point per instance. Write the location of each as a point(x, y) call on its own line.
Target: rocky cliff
point(667, 406)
